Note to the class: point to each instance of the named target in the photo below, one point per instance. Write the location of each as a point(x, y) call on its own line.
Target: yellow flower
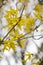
point(8, 44)
point(12, 18)
point(22, 43)
point(37, 8)
point(11, 15)
point(20, 0)
point(38, 16)
point(12, 11)
point(0, 37)
point(13, 46)
point(42, 30)
point(35, 63)
point(15, 35)
point(21, 23)
point(29, 56)
point(29, 24)
point(0, 57)
point(23, 1)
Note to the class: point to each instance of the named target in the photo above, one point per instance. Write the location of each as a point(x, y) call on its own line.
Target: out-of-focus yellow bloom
point(42, 30)
point(23, 1)
point(0, 57)
point(0, 37)
point(38, 16)
point(35, 63)
point(37, 8)
point(20, 0)
point(24, 61)
point(29, 24)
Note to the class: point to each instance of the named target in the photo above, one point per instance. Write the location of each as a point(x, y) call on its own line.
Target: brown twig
point(31, 30)
point(32, 37)
point(2, 3)
point(38, 38)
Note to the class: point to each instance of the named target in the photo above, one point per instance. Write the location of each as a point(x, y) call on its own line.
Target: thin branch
point(32, 37)
point(23, 52)
point(31, 30)
point(2, 3)
point(38, 38)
